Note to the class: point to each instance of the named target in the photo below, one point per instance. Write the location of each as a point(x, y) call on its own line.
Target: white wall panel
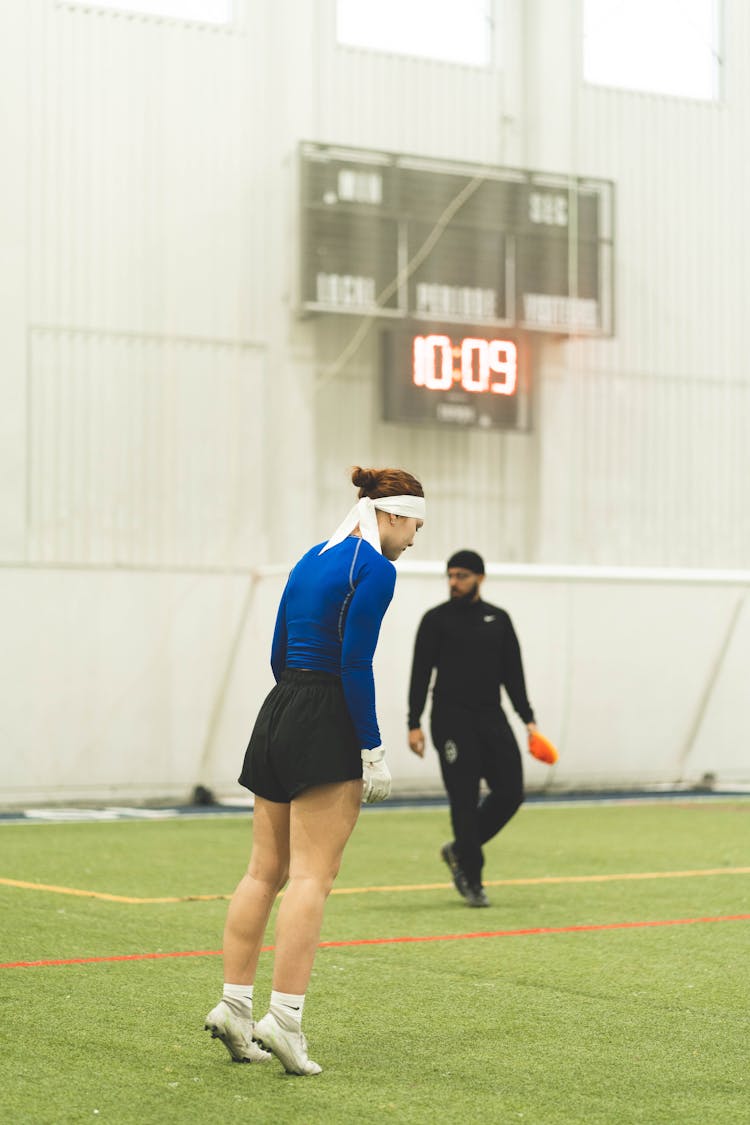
point(643, 438)
point(113, 696)
point(645, 469)
point(383, 101)
point(381, 87)
point(638, 679)
point(14, 265)
point(147, 211)
point(145, 451)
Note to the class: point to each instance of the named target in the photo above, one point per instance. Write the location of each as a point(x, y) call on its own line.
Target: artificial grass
point(622, 1025)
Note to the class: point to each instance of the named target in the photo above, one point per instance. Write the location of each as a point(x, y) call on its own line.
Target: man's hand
point(416, 741)
point(376, 776)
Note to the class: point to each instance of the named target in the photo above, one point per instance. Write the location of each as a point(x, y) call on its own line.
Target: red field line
point(533, 932)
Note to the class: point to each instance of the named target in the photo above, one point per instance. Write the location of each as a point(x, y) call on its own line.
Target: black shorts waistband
point(306, 676)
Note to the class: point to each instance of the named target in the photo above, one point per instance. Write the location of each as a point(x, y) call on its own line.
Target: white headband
point(363, 513)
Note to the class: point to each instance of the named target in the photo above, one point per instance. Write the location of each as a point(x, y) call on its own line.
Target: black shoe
point(475, 896)
point(460, 882)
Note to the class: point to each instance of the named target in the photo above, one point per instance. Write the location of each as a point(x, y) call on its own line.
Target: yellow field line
point(545, 879)
point(556, 879)
point(102, 894)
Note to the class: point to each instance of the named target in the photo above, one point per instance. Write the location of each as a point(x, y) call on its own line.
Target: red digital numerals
point(473, 364)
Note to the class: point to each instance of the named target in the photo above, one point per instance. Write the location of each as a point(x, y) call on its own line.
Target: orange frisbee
point(541, 748)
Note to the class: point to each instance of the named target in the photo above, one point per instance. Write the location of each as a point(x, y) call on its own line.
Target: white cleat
point(235, 1033)
point(290, 1047)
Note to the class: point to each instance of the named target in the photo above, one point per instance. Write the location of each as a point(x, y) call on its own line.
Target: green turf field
point(611, 1025)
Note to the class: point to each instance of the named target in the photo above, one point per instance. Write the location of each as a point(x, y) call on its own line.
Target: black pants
point(473, 745)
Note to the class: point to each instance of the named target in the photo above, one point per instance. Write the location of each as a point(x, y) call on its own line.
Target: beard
point(468, 598)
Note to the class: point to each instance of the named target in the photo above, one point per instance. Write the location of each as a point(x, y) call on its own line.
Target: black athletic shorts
point(303, 736)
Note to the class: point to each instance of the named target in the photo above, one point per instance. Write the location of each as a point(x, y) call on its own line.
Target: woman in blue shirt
point(313, 757)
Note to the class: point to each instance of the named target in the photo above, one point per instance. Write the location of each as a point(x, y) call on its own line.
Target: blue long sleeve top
point(329, 620)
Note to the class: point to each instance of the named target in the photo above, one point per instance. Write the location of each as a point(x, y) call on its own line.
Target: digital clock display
point(473, 380)
point(474, 364)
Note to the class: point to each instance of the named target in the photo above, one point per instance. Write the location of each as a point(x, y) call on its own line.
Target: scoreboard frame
point(410, 238)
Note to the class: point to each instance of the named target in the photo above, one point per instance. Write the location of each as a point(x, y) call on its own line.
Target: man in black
point(474, 648)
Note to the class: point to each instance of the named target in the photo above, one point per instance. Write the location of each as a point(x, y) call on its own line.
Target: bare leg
point(255, 894)
point(322, 820)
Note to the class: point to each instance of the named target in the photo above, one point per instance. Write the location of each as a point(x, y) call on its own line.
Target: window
point(191, 11)
point(458, 31)
point(657, 46)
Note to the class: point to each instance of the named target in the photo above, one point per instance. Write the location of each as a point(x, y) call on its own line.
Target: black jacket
point(475, 650)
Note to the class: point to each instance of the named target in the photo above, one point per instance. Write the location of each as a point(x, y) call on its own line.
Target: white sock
point(239, 997)
point(286, 1008)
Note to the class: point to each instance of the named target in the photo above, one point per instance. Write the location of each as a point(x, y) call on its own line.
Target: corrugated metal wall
point(644, 438)
point(161, 203)
point(147, 307)
point(146, 210)
point(144, 451)
point(645, 469)
point(639, 453)
point(164, 407)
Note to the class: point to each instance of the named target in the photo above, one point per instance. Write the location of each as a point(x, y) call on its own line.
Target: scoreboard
point(459, 258)
point(406, 237)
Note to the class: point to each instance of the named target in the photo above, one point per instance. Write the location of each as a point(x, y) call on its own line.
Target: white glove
point(376, 776)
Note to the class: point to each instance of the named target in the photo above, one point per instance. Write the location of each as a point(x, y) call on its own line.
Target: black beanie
point(467, 560)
